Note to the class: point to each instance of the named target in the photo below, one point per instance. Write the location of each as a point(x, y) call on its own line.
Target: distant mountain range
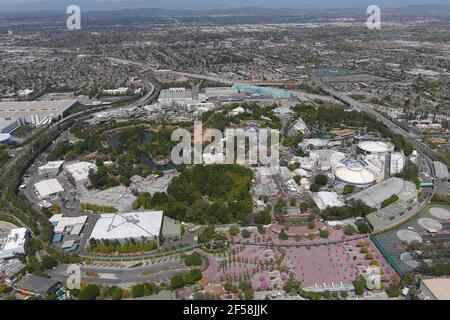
point(414, 10)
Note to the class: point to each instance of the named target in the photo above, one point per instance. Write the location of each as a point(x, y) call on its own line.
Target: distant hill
point(408, 11)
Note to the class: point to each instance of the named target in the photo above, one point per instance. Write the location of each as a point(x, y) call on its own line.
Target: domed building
point(375, 147)
point(354, 172)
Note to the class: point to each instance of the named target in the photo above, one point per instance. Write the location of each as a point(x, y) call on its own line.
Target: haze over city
point(201, 150)
point(7, 5)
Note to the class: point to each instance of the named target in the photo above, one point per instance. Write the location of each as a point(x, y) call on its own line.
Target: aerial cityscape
point(242, 152)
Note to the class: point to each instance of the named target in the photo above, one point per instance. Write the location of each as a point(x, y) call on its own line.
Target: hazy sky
point(6, 5)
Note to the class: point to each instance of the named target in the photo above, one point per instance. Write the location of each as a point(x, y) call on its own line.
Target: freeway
point(409, 137)
point(30, 147)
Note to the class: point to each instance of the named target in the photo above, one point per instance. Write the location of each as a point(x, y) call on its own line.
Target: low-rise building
point(80, 170)
point(325, 200)
point(50, 169)
point(31, 285)
point(14, 244)
point(48, 188)
point(120, 198)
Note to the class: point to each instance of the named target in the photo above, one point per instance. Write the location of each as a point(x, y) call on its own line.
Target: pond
point(144, 159)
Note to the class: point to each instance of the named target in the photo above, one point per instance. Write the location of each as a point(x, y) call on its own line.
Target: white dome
point(354, 172)
point(376, 146)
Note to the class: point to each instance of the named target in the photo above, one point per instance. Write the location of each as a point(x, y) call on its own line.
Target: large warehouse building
point(375, 195)
point(133, 225)
point(16, 113)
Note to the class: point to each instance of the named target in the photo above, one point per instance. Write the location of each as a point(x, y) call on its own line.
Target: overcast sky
point(7, 5)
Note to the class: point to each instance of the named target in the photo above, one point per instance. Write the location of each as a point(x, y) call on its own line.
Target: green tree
point(137, 291)
point(195, 259)
point(90, 292)
point(249, 293)
point(283, 235)
point(245, 233)
point(49, 262)
point(117, 293)
point(349, 189)
point(234, 230)
point(321, 180)
point(4, 288)
point(360, 284)
point(324, 234)
point(196, 274)
point(177, 282)
point(314, 188)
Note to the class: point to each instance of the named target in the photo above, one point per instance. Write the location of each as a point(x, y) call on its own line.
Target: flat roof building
point(61, 223)
point(375, 195)
point(39, 286)
point(14, 244)
point(217, 92)
point(325, 200)
point(80, 170)
point(50, 169)
point(14, 114)
point(128, 225)
point(48, 188)
point(436, 289)
point(119, 197)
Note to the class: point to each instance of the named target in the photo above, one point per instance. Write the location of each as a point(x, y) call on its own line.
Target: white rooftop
point(20, 109)
point(376, 194)
point(354, 173)
point(62, 222)
point(14, 243)
point(80, 170)
point(4, 137)
point(439, 287)
point(128, 225)
point(376, 146)
point(48, 187)
point(52, 165)
point(325, 200)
